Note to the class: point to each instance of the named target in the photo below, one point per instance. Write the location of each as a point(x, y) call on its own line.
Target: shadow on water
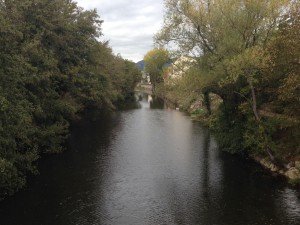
point(157, 103)
point(66, 182)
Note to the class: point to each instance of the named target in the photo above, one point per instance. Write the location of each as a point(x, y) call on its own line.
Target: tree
point(283, 71)
point(155, 60)
point(52, 66)
point(217, 31)
point(229, 38)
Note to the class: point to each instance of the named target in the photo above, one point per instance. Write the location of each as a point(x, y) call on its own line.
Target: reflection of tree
point(206, 164)
point(157, 103)
point(150, 99)
point(205, 178)
point(140, 96)
point(65, 191)
point(153, 101)
point(92, 139)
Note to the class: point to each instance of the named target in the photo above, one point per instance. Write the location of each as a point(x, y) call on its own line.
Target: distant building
point(178, 68)
point(145, 77)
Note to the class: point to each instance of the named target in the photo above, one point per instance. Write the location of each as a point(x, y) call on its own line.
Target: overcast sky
point(128, 25)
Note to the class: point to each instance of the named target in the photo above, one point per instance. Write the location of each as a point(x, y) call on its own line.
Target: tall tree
point(52, 66)
point(229, 38)
point(155, 60)
point(283, 71)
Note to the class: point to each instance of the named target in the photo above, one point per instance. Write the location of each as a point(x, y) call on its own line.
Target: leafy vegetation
point(155, 61)
point(52, 66)
point(247, 53)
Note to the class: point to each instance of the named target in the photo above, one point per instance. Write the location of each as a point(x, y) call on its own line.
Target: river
point(149, 165)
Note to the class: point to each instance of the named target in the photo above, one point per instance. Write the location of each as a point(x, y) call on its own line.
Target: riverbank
point(290, 170)
point(287, 166)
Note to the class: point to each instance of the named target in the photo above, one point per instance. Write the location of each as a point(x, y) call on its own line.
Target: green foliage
point(247, 52)
point(125, 78)
point(200, 114)
point(52, 67)
point(258, 136)
point(10, 179)
point(228, 128)
point(282, 78)
point(197, 112)
point(294, 182)
point(207, 102)
point(155, 61)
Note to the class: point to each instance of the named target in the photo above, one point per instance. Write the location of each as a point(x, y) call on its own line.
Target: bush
point(11, 179)
point(228, 127)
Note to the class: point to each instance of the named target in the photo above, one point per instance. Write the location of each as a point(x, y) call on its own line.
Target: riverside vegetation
point(52, 67)
point(244, 74)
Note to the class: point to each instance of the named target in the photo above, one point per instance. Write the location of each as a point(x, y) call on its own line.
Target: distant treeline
point(52, 66)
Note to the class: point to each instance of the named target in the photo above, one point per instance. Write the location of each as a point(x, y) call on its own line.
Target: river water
point(149, 165)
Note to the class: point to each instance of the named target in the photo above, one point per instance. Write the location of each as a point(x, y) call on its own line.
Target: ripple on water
point(150, 167)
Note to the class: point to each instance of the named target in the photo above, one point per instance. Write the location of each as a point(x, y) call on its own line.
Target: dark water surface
point(150, 165)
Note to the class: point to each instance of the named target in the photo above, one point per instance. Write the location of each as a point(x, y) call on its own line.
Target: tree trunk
point(257, 117)
point(254, 104)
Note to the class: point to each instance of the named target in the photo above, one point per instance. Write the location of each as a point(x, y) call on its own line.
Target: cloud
point(128, 25)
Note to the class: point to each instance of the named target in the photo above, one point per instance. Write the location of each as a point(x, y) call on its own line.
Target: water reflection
point(149, 165)
point(150, 99)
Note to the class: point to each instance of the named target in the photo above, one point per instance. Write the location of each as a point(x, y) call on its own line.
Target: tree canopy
point(155, 61)
point(248, 54)
point(52, 66)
